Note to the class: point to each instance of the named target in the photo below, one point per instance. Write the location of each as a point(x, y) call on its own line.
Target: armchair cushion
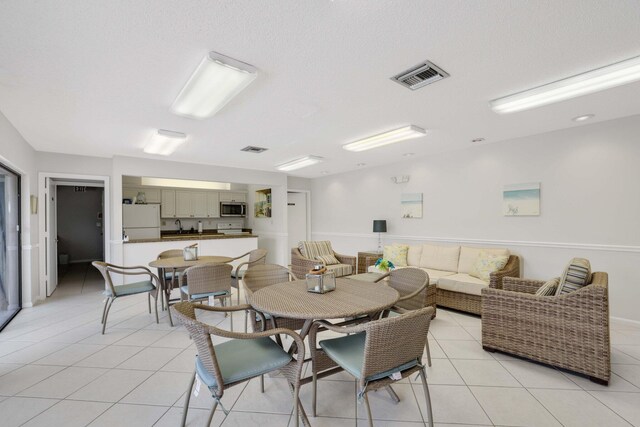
point(341, 269)
point(462, 283)
point(132, 288)
point(185, 290)
point(327, 259)
point(240, 359)
point(311, 249)
point(575, 276)
point(487, 263)
point(348, 352)
point(549, 288)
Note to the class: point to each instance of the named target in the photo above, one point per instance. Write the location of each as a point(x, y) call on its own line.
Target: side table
point(362, 260)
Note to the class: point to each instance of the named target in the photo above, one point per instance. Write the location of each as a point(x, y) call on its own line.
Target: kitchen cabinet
point(213, 204)
point(168, 204)
point(230, 196)
point(199, 204)
point(183, 204)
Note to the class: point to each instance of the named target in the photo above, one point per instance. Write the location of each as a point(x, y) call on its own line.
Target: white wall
point(18, 155)
point(590, 203)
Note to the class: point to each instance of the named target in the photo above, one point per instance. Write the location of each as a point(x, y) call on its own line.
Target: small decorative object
point(320, 281)
point(141, 198)
point(262, 205)
point(379, 226)
point(411, 205)
point(521, 199)
point(190, 253)
point(127, 201)
point(384, 265)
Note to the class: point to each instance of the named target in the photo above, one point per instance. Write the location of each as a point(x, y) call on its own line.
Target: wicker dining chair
point(256, 257)
point(376, 353)
point(170, 277)
point(415, 292)
point(261, 276)
point(199, 282)
point(150, 286)
point(234, 362)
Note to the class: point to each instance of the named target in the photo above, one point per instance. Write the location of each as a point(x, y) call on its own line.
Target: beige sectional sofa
point(449, 266)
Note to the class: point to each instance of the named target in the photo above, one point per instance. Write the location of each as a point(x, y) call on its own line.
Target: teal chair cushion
point(132, 288)
point(348, 352)
point(241, 359)
point(185, 290)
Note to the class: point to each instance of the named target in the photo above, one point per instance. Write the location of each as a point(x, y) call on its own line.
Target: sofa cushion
point(341, 269)
point(463, 283)
point(440, 257)
point(575, 276)
point(486, 264)
point(413, 255)
point(436, 275)
point(397, 254)
point(468, 256)
point(549, 288)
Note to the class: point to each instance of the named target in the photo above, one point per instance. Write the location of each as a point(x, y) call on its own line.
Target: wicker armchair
point(256, 257)
point(151, 287)
point(569, 331)
point(472, 303)
point(199, 282)
point(376, 353)
point(415, 293)
point(300, 265)
point(238, 360)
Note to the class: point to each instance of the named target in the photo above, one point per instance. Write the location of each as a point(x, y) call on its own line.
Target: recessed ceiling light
point(216, 81)
point(583, 118)
point(165, 142)
point(477, 140)
point(582, 84)
point(302, 162)
point(409, 154)
point(361, 164)
point(396, 135)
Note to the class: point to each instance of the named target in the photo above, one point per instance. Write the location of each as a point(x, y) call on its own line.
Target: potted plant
point(384, 265)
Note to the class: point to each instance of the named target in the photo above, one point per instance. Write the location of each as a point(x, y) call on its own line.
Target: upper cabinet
point(184, 207)
point(213, 205)
point(230, 196)
point(198, 204)
point(168, 205)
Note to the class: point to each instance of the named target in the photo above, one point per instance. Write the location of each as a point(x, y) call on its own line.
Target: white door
point(298, 228)
point(51, 238)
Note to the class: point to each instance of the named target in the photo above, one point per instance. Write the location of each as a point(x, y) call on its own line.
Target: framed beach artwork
point(411, 205)
point(521, 199)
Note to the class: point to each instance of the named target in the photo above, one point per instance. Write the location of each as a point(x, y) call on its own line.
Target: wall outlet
point(164, 222)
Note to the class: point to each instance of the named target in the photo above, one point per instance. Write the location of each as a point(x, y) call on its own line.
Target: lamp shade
point(379, 225)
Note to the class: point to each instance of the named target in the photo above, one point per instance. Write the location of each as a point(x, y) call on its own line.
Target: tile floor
point(56, 369)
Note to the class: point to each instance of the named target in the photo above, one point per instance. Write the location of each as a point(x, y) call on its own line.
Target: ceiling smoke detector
point(420, 75)
point(253, 149)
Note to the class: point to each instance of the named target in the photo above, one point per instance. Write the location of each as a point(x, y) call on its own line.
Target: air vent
point(420, 75)
point(252, 149)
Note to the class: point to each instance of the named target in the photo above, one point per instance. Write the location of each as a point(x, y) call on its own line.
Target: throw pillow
point(311, 249)
point(549, 288)
point(486, 264)
point(327, 259)
point(397, 254)
point(575, 276)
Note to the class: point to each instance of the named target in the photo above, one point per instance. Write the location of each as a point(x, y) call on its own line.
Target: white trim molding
point(558, 245)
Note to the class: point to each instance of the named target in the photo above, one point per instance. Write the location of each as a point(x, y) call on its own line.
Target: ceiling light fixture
point(302, 162)
point(396, 135)
point(582, 84)
point(165, 142)
point(184, 183)
point(583, 118)
point(477, 140)
point(216, 81)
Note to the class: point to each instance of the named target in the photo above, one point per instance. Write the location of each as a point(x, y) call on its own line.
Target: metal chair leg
point(213, 410)
point(168, 313)
point(106, 313)
point(315, 393)
point(186, 400)
point(149, 301)
point(428, 352)
point(366, 403)
point(104, 310)
point(231, 314)
point(427, 397)
point(393, 394)
point(261, 383)
point(156, 307)
point(296, 402)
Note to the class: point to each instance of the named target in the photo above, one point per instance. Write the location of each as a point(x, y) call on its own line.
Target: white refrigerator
point(141, 221)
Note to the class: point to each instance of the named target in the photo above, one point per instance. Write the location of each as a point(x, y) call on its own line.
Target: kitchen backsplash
point(168, 224)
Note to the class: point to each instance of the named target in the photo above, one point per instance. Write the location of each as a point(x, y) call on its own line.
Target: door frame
point(20, 176)
point(307, 194)
point(44, 274)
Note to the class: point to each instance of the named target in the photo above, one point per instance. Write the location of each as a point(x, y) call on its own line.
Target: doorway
point(10, 282)
point(298, 218)
point(75, 224)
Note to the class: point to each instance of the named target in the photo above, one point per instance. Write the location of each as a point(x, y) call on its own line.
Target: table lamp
point(379, 226)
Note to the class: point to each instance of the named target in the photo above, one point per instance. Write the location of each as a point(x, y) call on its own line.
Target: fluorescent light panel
point(165, 142)
point(582, 84)
point(391, 137)
point(302, 162)
point(184, 183)
point(216, 81)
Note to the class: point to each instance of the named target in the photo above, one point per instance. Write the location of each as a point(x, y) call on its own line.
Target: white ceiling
point(96, 77)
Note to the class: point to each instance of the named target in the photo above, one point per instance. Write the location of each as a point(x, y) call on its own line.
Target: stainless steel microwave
point(233, 209)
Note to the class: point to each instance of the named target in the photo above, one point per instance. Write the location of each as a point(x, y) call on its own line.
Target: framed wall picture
point(262, 205)
point(411, 205)
point(521, 199)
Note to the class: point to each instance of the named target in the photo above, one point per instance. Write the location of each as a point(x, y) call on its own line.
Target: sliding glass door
point(10, 296)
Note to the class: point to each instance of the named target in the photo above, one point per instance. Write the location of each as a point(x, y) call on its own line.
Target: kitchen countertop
point(194, 236)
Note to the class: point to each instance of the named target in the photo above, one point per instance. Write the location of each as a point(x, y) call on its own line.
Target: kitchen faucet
point(177, 221)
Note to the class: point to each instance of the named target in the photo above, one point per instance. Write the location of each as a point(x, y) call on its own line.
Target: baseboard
point(623, 320)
